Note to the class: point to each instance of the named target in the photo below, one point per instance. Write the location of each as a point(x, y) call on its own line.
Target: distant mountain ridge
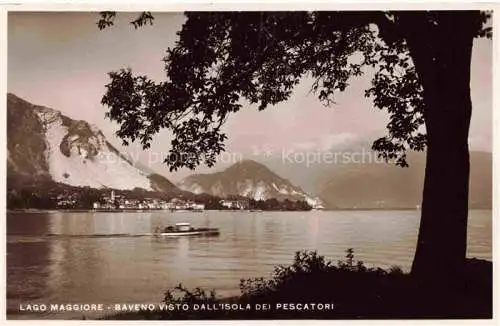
point(347, 174)
point(382, 185)
point(369, 184)
point(249, 179)
point(44, 143)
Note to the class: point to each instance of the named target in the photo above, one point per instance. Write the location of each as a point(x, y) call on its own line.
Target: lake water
point(98, 258)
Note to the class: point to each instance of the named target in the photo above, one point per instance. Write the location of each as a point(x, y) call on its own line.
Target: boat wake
point(170, 233)
point(103, 235)
point(55, 236)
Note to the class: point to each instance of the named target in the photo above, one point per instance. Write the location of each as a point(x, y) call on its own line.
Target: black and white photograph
point(249, 164)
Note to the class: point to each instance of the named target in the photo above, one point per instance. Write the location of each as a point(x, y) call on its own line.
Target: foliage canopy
point(222, 58)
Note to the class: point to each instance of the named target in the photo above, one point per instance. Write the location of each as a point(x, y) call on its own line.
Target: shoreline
point(134, 210)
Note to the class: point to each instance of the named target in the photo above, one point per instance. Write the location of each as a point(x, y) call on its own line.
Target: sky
point(61, 60)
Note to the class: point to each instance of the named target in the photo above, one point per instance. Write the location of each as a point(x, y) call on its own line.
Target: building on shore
point(115, 201)
point(177, 204)
point(235, 204)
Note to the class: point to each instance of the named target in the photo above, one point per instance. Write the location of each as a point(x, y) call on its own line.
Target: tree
point(422, 62)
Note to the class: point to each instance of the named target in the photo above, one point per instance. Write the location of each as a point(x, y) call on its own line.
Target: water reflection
point(131, 268)
point(27, 259)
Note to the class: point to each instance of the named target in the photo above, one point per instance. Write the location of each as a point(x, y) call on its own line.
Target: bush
point(355, 291)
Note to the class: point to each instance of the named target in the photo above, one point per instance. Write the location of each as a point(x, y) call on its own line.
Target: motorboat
point(185, 229)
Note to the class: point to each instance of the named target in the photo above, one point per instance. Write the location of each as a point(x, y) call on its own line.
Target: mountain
point(42, 143)
point(381, 185)
point(45, 146)
point(308, 167)
point(348, 174)
point(249, 179)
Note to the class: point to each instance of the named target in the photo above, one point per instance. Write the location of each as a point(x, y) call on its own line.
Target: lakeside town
point(120, 202)
point(64, 197)
point(116, 201)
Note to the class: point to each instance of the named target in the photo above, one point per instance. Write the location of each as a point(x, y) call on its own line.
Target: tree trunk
point(442, 60)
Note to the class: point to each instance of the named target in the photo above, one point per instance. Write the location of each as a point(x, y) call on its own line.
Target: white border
point(215, 5)
point(117, 5)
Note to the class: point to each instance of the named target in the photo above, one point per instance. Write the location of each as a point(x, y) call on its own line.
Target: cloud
point(307, 145)
point(337, 140)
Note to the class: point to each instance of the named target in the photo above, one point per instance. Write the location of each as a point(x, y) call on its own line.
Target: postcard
point(239, 164)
